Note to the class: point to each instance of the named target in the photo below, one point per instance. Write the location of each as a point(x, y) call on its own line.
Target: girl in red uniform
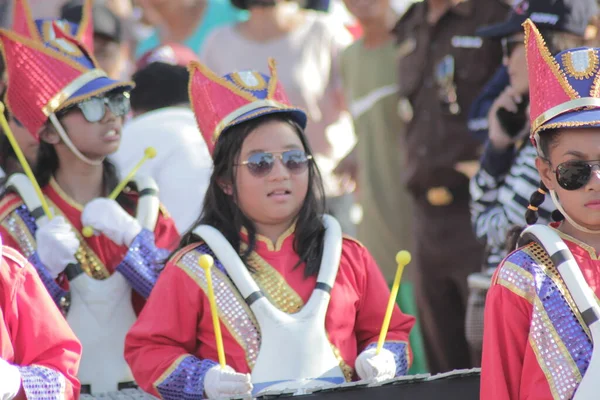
point(56, 91)
point(274, 252)
point(537, 344)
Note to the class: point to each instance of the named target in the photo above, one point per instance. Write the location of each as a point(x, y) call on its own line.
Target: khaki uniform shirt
point(442, 69)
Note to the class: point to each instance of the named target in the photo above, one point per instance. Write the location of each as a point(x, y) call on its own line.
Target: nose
point(279, 171)
point(109, 116)
point(594, 183)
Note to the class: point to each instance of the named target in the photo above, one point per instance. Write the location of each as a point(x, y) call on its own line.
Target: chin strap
point(562, 210)
point(65, 138)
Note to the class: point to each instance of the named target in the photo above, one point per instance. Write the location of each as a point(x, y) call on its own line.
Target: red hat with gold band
point(49, 66)
point(222, 102)
point(564, 90)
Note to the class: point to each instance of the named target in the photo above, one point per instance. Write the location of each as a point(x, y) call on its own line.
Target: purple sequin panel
point(142, 263)
point(56, 292)
point(562, 317)
point(204, 249)
point(41, 383)
point(186, 382)
point(27, 218)
point(400, 355)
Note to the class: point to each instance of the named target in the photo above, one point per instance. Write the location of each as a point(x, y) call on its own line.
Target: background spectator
point(164, 120)
point(184, 21)
point(442, 68)
point(378, 158)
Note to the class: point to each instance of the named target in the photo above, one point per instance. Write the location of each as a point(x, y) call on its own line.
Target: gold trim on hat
point(558, 73)
point(33, 31)
point(563, 108)
point(85, 20)
point(274, 78)
point(42, 48)
point(211, 76)
point(261, 84)
point(243, 110)
point(57, 101)
point(571, 124)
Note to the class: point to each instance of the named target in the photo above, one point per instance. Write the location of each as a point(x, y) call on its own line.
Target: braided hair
point(535, 201)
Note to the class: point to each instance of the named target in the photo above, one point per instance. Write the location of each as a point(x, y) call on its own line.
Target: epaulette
point(351, 239)
point(8, 203)
point(184, 250)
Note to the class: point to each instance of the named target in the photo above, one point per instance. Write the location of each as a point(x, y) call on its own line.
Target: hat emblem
point(249, 80)
point(580, 64)
point(58, 42)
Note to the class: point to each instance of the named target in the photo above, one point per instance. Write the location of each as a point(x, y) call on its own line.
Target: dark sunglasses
point(260, 164)
point(94, 108)
point(509, 45)
point(573, 175)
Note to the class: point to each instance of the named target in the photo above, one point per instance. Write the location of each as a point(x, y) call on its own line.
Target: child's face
point(581, 146)
point(275, 197)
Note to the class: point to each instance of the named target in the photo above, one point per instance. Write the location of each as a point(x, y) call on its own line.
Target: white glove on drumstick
point(56, 244)
point(379, 367)
point(225, 382)
point(109, 218)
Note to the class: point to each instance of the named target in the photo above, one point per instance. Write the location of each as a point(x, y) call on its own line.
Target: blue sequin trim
point(41, 383)
point(27, 218)
point(142, 263)
point(560, 313)
point(399, 350)
point(186, 381)
point(56, 292)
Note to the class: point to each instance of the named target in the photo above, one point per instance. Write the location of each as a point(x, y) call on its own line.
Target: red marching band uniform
point(171, 359)
point(50, 66)
point(41, 350)
point(537, 343)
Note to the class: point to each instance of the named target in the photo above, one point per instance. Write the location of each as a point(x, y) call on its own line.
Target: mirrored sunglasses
point(261, 164)
point(573, 175)
point(94, 108)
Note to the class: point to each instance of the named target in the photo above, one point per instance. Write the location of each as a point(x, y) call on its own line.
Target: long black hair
point(221, 211)
point(48, 163)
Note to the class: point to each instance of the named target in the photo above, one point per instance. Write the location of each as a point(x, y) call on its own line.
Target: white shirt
point(182, 166)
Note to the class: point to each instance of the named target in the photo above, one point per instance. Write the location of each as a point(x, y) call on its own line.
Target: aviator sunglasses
point(573, 175)
point(260, 164)
point(94, 108)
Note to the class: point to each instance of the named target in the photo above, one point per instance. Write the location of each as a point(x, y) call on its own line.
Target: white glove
point(10, 383)
point(108, 217)
point(225, 382)
point(56, 244)
point(379, 367)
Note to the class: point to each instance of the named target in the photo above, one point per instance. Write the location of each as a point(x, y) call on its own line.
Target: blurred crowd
point(417, 120)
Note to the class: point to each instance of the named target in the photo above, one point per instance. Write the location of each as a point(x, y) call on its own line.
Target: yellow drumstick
point(402, 259)
point(206, 262)
point(21, 157)
point(149, 153)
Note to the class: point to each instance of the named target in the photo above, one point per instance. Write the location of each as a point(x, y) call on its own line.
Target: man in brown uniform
point(442, 68)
